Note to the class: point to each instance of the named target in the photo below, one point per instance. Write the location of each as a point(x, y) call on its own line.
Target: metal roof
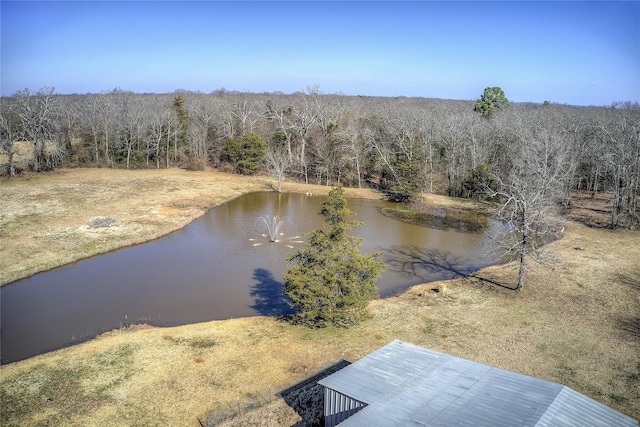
point(407, 385)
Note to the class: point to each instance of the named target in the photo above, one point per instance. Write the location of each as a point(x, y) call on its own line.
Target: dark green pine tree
point(330, 281)
point(253, 149)
point(246, 155)
point(183, 120)
point(492, 99)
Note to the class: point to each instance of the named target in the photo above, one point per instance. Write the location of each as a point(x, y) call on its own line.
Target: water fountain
point(273, 226)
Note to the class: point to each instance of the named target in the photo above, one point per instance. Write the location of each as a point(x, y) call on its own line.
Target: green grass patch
point(429, 329)
point(56, 394)
point(620, 400)
point(197, 343)
point(565, 375)
point(58, 389)
point(441, 218)
point(117, 358)
point(408, 215)
point(202, 343)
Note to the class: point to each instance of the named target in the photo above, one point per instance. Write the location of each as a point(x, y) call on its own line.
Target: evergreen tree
point(492, 98)
point(407, 172)
point(183, 121)
point(247, 155)
point(330, 281)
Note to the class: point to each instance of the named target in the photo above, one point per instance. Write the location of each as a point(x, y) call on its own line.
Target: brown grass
point(577, 324)
point(44, 218)
point(593, 211)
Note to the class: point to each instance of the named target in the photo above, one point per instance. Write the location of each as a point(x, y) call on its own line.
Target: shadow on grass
point(307, 397)
point(630, 326)
point(490, 282)
point(269, 295)
point(631, 279)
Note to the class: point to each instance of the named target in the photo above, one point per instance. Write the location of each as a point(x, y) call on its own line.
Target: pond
point(221, 266)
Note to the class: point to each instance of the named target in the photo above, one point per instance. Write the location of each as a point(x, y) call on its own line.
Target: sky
point(579, 53)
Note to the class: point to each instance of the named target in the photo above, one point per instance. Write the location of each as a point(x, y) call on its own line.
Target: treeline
point(401, 145)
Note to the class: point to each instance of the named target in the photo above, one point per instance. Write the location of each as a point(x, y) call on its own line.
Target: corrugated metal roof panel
point(380, 372)
point(412, 386)
point(577, 408)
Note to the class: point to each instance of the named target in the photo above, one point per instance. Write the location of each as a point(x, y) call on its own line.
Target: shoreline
point(573, 324)
point(139, 221)
point(296, 189)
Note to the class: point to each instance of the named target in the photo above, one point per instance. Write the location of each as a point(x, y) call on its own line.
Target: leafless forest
point(524, 153)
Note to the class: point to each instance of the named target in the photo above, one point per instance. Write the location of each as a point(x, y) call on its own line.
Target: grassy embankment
point(576, 324)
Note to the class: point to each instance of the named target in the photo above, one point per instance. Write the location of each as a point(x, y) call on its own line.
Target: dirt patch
point(169, 211)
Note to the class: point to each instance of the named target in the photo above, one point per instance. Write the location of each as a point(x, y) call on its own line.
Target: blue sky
point(582, 53)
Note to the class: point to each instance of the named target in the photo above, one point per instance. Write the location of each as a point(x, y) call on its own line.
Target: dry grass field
point(577, 324)
point(45, 218)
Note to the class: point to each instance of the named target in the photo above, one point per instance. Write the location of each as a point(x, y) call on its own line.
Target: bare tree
point(9, 133)
point(454, 139)
point(396, 141)
point(134, 132)
point(352, 146)
point(620, 132)
point(280, 115)
point(204, 115)
point(329, 159)
point(305, 116)
point(529, 190)
point(70, 113)
point(37, 123)
point(154, 137)
point(93, 122)
point(245, 113)
point(429, 149)
point(277, 162)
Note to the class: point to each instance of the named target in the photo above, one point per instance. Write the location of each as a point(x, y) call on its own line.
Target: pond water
point(220, 266)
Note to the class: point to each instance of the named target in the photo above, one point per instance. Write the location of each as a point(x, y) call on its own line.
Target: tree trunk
point(106, 145)
point(129, 144)
point(12, 169)
point(523, 252)
point(521, 271)
point(96, 155)
point(36, 166)
point(167, 146)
